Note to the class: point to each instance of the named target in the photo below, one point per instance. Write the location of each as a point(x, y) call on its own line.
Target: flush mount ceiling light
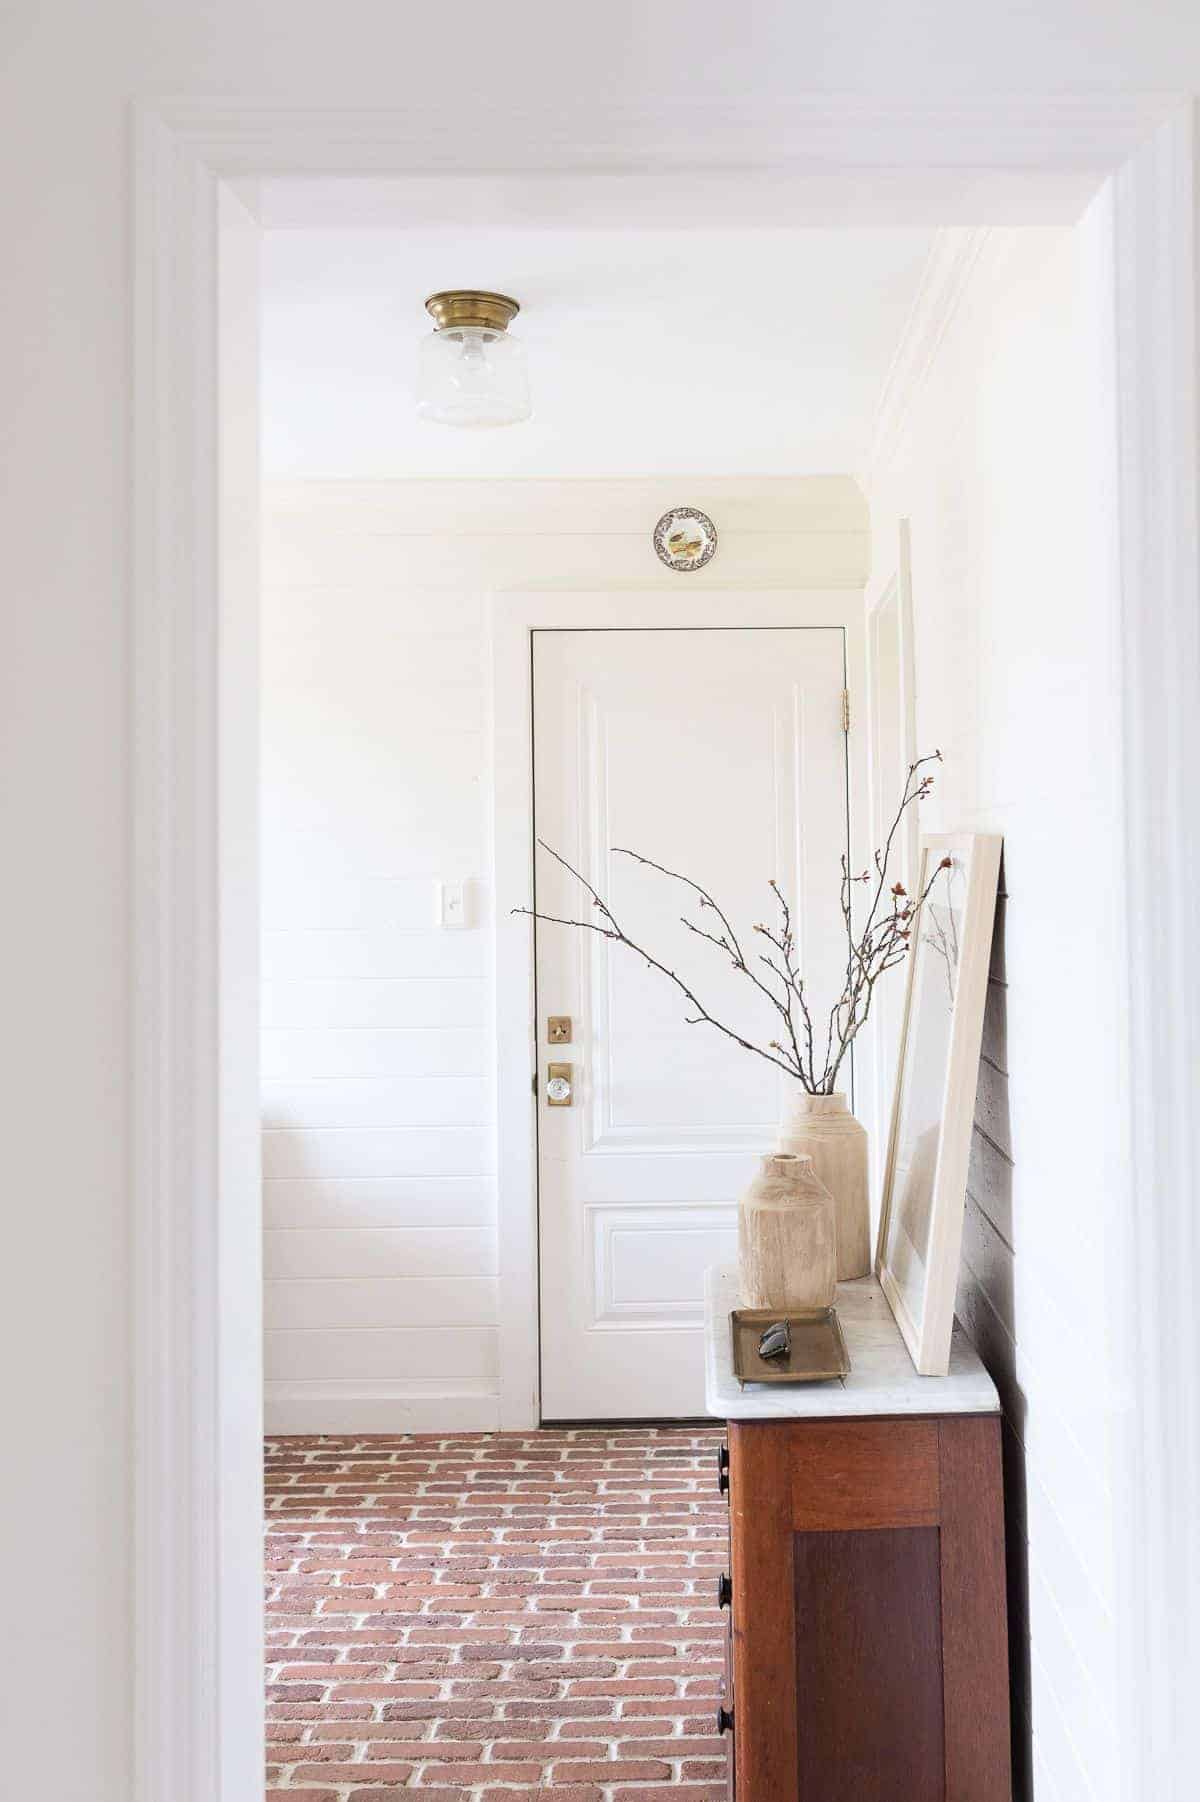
point(471, 372)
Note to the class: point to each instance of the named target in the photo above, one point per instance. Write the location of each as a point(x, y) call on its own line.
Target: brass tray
point(818, 1350)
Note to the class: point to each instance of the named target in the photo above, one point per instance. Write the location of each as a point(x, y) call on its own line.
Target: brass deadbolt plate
point(558, 1029)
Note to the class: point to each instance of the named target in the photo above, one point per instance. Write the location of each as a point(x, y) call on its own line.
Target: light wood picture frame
point(933, 1106)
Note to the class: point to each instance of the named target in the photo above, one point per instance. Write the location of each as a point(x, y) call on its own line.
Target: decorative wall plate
point(685, 538)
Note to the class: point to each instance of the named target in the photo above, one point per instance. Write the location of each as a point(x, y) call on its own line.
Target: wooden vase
point(787, 1237)
point(823, 1128)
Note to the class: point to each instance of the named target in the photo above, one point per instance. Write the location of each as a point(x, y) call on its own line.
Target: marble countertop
point(881, 1380)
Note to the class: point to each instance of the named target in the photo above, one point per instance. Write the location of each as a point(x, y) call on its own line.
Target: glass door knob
point(558, 1085)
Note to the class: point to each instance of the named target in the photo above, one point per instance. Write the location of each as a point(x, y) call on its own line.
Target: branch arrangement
point(811, 1053)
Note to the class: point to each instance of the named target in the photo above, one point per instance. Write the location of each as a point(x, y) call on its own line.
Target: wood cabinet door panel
point(869, 1666)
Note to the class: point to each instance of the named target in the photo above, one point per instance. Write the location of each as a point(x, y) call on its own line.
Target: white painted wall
point(378, 1114)
point(999, 459)
point(380, 1252)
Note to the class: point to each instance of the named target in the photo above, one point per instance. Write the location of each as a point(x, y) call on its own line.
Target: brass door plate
point(558, 1029)
point(559, 1085)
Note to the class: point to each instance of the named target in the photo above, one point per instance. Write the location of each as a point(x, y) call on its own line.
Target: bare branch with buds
point(877, 944)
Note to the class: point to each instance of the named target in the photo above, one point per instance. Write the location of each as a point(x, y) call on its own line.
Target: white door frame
point(891, 583)
point(513, 618)
point(196, 1714)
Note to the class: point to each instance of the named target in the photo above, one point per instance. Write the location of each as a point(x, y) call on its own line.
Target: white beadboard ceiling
point(691, 339)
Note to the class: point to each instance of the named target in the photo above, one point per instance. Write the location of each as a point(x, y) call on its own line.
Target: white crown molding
point(944, 281)
point(596, 506)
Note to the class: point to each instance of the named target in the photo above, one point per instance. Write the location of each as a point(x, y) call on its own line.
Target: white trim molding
point(513, 619)
point(196, 1716)
point(944, 279)
point(367, 1405)
point(890, 587)
point(198, 1479)
point(1025, 135)
point(1155, 215)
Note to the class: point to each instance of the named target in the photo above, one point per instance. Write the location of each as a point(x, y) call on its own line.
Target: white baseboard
point(362, 1406)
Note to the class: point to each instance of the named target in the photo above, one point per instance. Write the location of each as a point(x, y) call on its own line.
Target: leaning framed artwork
point(925, 1174)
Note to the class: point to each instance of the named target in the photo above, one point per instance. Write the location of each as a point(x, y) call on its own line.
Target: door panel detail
point(649, 1261)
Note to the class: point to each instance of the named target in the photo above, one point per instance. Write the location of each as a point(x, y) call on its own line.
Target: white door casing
point(721, 754)
point(892, 731)
point(514, 618)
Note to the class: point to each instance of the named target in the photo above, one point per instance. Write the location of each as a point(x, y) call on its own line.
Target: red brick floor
point(493, 1615)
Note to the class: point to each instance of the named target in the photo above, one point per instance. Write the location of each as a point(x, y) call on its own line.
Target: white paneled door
point(721, 754)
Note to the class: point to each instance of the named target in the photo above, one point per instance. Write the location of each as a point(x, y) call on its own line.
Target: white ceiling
point(664, 336)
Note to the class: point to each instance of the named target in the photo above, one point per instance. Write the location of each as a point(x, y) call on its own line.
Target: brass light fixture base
point(456, 308)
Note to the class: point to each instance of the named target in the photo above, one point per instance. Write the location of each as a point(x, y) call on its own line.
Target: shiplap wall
point(378, 1109)
point(380, 1252)
point(1001, 468)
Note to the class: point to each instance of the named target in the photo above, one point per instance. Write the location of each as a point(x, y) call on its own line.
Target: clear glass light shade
point(472, 376)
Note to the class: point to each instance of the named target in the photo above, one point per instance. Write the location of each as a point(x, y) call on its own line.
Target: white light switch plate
point(450, 903)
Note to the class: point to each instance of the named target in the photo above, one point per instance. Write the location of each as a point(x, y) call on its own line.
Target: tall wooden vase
point(787, 1237)
point(823, 1128)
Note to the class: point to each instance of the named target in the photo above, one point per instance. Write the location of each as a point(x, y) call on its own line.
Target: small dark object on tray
point(776, 1341)
point(814, 1351)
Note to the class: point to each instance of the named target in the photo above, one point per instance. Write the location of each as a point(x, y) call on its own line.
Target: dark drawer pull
point(724, 1720)
point(724, 1590)
point(723, 1470)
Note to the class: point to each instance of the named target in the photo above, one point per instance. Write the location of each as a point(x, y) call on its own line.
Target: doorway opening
point(442, 1246)
point(462, 667)
point(162, 1324)
point(454, 669)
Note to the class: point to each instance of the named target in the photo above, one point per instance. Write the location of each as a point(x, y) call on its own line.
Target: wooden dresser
point(867, 1651)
